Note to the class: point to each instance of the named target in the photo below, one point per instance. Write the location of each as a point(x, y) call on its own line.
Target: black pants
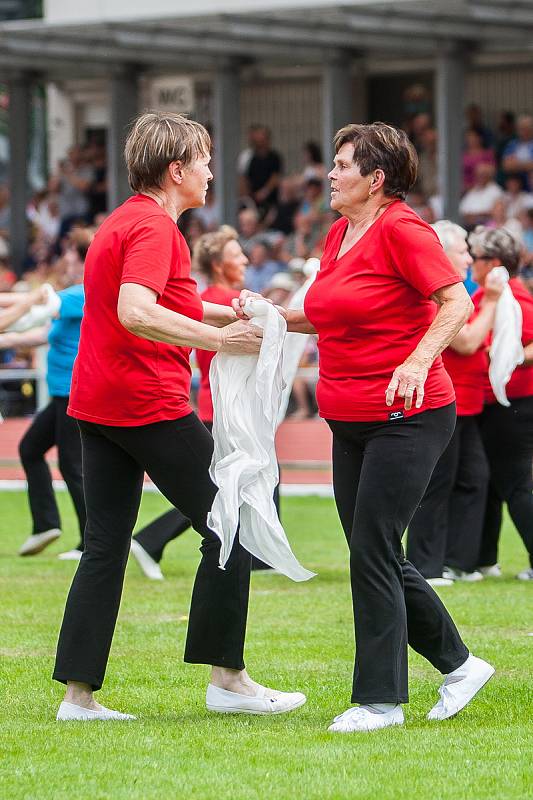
point(176, 455)
point(508, 438)
point(50, 427)
point(164, 529)
point(447, 525)
point(380, 473)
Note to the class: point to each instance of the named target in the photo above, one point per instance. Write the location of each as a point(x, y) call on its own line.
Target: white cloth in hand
point(506, 351)
point(246, 394)
point(39, 314)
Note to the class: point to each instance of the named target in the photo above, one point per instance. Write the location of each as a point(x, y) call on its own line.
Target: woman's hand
point(238, 302)
point(240, 339)
point(407, 379)
point(493, 288)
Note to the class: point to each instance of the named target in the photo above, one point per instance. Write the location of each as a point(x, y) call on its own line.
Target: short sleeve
point(417, 255)
point(71, 304)
point(148, 253)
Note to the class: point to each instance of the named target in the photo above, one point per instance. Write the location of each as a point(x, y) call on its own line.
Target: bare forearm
point(32, 338)
point(528, 355)
point(297, 322)
point(471, 336)
point(450, 318)
point(215, 314)
point(13, 313)
point(159, 324)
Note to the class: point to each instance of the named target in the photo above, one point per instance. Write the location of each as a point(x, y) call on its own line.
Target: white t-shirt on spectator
point(481, 201)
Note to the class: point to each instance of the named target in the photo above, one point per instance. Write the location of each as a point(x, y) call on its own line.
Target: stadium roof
point(279, 32)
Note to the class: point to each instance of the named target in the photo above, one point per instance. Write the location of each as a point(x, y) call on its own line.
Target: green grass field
point(300, 637)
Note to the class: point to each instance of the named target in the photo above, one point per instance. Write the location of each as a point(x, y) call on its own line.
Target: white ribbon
point(506, 350)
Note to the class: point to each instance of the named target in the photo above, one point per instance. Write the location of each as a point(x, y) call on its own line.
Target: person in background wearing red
point(446, 528)
point(219, 257)
point(507, 431)
point(385, 303)
point(130, 394)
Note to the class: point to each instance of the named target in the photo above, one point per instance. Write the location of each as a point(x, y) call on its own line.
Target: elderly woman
point(385, 303)
point(447, 526)
point(507, 431)
point(130, 395)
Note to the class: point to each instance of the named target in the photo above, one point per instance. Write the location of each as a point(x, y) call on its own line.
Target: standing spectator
point(474, 122)
point(264, 171)
point(477, 204)
point(72, 183)
point(262, 267)
point(427, 163)
point(313, 165)
point(506, 133)
point(473, 155)
point(249, 229)
point(516, 200)
point(518, 155)
point(98, 187)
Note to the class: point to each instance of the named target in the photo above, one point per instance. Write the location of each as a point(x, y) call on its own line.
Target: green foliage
point(300, 637)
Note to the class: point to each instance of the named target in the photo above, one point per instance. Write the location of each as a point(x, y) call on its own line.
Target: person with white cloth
point(14, 306)
point(507, 419)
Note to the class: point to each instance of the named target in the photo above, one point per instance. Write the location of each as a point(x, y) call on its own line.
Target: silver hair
point(449, 233)
point(498, 243)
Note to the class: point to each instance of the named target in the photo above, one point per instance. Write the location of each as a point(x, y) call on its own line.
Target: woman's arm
point(297, 322)
point(455, 308)
point(140, 314)
point(473, 334)
point(217, 315)
point(32, 338)
point(20, 306)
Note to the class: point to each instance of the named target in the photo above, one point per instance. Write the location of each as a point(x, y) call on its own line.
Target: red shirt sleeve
point(419, 258)
point(148, 253)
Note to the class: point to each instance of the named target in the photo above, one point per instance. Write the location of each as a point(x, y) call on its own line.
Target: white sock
point(380, 708)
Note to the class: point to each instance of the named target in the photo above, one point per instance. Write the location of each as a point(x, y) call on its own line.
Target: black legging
point(176, 455)
point(447, 525)
point(508, 438)
point(50, 427)
point(380, 473)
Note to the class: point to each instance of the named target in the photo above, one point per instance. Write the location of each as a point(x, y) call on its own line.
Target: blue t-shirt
point(64, 338)
point(524, 152)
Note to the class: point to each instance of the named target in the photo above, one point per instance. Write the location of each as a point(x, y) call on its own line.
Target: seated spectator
point(249, 229)
point(97, 193)
point(281, 217)
point(499, 218)
point(72, 183)
point(477, 204)
point(516, 200)
point(420, 206)
point(280, 289)
point(474, 122)
point(313, 199)
point(262, 267)
point(427, 163)
point(475, 153)
point(526, 219)
point(208, 213)
point(314, 168)
point(264, 170)
point(518, 155)
point(505, 133)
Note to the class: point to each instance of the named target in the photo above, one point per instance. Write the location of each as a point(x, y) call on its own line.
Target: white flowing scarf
point(246, 394)
point(506, 351)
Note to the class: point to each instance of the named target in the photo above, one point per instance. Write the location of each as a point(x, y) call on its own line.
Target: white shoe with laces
point(147, 564)
point(460, 687)
point(69, 711)
point(226, 702)
point(38, 541)
point(525, 575)
point(492, 571)
point(461, 575)
point(70, 555)
point(364, 718)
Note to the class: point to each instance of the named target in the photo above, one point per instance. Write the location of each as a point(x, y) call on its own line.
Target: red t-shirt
point(521, 382)
point(222, 296)
point(120, 378)
point(371, 308)
point(468, 377)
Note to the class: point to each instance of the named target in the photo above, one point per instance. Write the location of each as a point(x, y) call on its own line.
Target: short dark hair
point(381, 146)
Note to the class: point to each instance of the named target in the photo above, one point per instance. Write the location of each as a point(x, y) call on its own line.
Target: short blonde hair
point(210, 248)
point(155, 141)
point(449, 233)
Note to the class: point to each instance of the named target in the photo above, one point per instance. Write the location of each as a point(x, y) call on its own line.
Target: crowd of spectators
point(284, 214)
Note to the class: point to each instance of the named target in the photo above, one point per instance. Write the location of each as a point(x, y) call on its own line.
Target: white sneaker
point(225, 702)
point(460, 686)
point(69, 711)
point(147, 564)
point(70, 555)
point(363, 718)
point(38, 541)
point(494, 571)
point(525, 575)
point(460, 575)
point(440, 581)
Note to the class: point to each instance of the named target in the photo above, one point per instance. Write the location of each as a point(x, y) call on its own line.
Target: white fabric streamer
point(246, 394)
point(294, 343)
point(506, 350)
point(39, 314)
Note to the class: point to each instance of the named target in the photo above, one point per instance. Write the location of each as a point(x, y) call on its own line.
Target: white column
point(19, 137)
point(337, 100)
point(227, 135)
point(449, 91)
point(124, 108)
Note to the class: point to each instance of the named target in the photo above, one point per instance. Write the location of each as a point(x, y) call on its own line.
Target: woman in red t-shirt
point(447, 526)
point(507, 431)
point(130, 394)
point(385, 303)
